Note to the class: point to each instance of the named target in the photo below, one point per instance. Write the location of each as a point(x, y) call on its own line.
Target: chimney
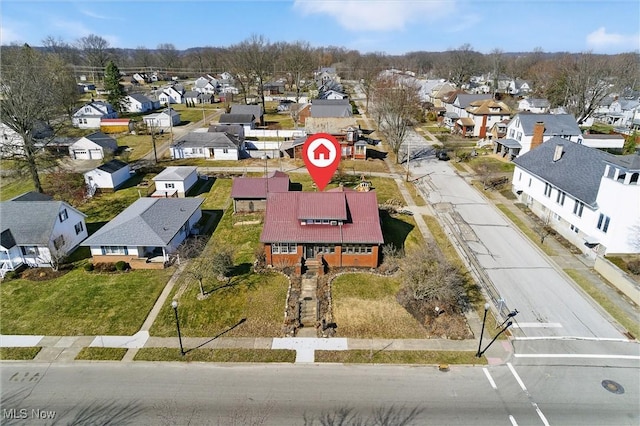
point(538, 133)
point(557, 154)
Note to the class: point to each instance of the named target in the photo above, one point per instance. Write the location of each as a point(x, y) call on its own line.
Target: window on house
point(519, 136)
point(560, 198)
point(511, 133)
point(169, 185)
point(225, 150)
point(519, 176)
point(547, 190)
point(575, 229)
point(325, 248)
point(284, 248)
point(114, 250)
point(58, 243)
point(356, 249)
point(529, 182)
point(30, 250)
point(603, 223)
point(577, 208)
point(63, 215)
point(79, 227)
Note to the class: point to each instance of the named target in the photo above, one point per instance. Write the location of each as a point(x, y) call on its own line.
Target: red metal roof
point(361, 223)
point(252, 188)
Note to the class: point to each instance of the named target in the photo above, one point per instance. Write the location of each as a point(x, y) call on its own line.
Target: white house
point(175, 181)
point(458, 102)
point(89, 115)
point(108, 176)
point(588, 196)
point(147, 232)
point(205, 85)
point(137, 102)
point(162, 120)
point(93, 147)
point(535, 105)
point(38, 231)
point(172, 94)
point(525, 131)
point(11, 143)
point(209, 145)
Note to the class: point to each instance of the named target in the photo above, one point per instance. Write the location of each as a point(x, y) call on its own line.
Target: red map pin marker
point(321, 154)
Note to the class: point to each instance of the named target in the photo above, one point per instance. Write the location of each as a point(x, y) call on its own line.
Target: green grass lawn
point(101, 354)
point(140, 145)
point(19, 353)
point(216, 355)
point(399, 357)
point(80, 303)
point(194, 114)
point(10, 187)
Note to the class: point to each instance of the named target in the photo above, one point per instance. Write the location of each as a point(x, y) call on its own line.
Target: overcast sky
point(389, 26)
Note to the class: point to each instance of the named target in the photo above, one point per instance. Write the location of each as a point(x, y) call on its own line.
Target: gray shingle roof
point(32, 196)
point(207, 140)
point(554, 124)
point(577, 173)
point(30, 222)
point(175, 173)
point(464, 99)
point(112, 166)
point(147, 222)
point(140, 98)
point(255, 110)
point(102, 139)
point(236, 118)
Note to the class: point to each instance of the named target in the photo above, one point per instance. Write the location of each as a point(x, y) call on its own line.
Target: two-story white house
point(205, 85)
point(590, 197)
point(525, 131)
point(89, 115)
point(535, 105)
point(38, 231)
point(172, 95)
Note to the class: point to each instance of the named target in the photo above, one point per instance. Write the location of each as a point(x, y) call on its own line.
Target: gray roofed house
point(175, 181)
point(37, 232)
point(246, 120)
point(330, 108)
point(255, 110)
point(146, 232)
point(210, 145)
point(32, 196)
point(577, 172)
point(554, 124)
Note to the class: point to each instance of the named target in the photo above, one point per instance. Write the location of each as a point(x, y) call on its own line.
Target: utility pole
point(153, 140)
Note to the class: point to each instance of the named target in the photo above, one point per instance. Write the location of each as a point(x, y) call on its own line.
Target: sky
point(393, 27)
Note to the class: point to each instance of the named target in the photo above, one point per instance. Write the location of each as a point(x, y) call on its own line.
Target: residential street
point(143, 393)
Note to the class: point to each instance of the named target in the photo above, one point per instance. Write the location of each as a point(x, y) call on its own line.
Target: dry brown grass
point(382, 318)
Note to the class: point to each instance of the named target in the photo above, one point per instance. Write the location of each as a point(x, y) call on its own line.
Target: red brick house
point(336, 228)
point(250, 194)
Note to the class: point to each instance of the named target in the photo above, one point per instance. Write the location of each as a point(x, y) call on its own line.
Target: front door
point(308, 251)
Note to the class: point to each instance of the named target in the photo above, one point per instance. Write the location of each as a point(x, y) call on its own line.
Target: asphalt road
point(203, 394)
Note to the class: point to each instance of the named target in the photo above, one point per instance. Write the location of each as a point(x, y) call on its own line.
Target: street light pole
point(484, 320)
point(494, 339)
point(174, 305)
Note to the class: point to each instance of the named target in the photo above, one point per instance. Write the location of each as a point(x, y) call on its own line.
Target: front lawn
point(81, 303)
point(365, 307)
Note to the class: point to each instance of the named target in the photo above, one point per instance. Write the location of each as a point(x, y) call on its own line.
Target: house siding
point(335, 260)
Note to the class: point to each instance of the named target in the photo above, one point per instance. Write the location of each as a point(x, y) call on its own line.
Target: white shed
point(109, 176)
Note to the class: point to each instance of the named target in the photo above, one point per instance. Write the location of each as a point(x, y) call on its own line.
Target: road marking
point(542, 417)
point(513, 371)
point(537, 325)
point(491, 382)
point(595, 356)
point(513, 421)
point(594, 339)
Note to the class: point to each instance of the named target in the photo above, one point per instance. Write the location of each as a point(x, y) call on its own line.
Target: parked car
point(442, 156)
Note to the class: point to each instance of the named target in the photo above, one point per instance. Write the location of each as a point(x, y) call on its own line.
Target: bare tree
point(95, 52)
point(297, 64)
point(252, 60)
point(396, 106)
point(462, 63)
point(367, 71)
point(580, 83)
point(200, 269)
point(543, 227)
point(221, 259)
point(168, 56)
point(428, 276)
point(33, 85)
point(142, 58)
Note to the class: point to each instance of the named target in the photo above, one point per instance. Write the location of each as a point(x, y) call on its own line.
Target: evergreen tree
point(116, 95)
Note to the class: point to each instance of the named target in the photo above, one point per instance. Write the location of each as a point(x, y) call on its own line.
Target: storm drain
point(613, 387)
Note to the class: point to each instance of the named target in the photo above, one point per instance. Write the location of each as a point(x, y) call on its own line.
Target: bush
point(634, 267)
point(104, 267)
point(121, 265)
point(88, 267)
point(11, 275)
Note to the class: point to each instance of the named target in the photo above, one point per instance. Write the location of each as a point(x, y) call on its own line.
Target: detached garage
point(93, 147)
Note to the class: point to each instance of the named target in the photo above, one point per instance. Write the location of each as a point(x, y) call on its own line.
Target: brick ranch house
point(339, 228)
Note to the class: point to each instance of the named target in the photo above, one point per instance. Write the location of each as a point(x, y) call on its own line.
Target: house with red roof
point(249, 194)
point(334, 228)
